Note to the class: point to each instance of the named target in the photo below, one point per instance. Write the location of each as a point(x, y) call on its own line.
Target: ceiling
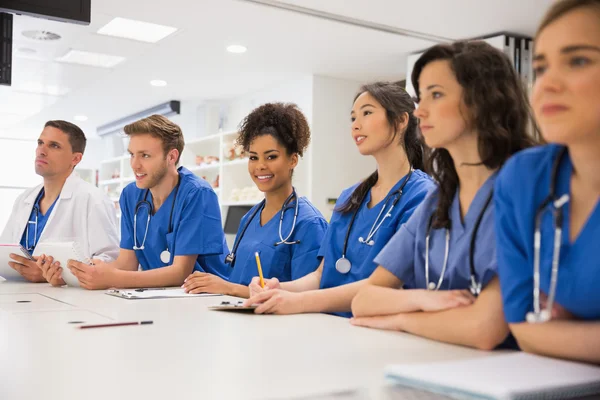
point(281, 45)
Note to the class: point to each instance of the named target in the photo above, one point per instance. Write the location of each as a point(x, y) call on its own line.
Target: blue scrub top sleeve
point(398, 255)
point(418, 193)
point(328, 237)
point(126, 223)
point(200, 230)
point(305, 254)
point(514, 269)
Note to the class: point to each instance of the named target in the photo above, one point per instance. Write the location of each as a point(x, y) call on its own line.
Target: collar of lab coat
point(65, 193)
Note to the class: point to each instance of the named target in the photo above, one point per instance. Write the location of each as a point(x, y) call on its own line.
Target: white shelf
point(128, 179)
point(243, 161)
point(114, 160)
point(204, 139)
point(114, 198)
point(197, 168)
point(230, 133)
point(108, 182)
point(240, 203)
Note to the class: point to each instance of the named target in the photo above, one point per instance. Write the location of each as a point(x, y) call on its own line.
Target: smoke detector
point(42, 36)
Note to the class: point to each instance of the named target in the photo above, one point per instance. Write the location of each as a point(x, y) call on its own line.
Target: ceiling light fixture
point(91, 59)
point(236, 48)
point(136, 30)
point(43, 36)
point(158, 83)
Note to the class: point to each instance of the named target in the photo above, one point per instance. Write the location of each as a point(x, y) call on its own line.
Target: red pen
point(116, 324)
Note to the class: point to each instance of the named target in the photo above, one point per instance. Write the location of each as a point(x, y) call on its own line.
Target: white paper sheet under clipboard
point(154, 293)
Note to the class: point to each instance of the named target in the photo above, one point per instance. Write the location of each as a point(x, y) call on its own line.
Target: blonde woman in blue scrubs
point(552, 193)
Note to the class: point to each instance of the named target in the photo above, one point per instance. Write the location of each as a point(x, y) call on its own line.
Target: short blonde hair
point(159, 127)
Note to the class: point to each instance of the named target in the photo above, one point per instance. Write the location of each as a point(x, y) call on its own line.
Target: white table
point(189, 352)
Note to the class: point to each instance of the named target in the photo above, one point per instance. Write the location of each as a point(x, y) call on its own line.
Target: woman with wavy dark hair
point(366, 214)
point(474, 114)
point(285, 228)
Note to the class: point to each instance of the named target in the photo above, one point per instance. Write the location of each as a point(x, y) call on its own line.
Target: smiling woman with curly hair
point(275, 136)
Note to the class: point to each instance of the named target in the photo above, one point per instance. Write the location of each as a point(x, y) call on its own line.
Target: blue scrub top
point(404, 255)
point(284, 262)
point(32, 240)
point(522, 186)
point(361, 255)
point(197, 228)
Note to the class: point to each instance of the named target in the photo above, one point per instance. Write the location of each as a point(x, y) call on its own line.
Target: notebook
point(502, 377)
point(62, 252)
point(5, 270)
point(154, 293)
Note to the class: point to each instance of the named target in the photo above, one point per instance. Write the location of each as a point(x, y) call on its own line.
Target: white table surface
point(189, 351)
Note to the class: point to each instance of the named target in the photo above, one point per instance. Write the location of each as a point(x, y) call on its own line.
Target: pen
point(116, 324)
point(260, 274)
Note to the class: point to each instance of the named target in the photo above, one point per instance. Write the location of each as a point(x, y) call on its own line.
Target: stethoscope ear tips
point(534, 318)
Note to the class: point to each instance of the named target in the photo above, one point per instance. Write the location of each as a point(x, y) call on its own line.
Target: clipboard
point(6, 271)
point(235, 306)
point(154, 293)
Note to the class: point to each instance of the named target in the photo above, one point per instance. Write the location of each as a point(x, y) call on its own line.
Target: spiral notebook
point(62, 252)
point(503, 377)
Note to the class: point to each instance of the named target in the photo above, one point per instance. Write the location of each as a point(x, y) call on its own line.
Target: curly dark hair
point(398, 105)
point(498, 110)
point(284, 121)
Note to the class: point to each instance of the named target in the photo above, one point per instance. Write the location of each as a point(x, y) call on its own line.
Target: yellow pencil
point(262, 280)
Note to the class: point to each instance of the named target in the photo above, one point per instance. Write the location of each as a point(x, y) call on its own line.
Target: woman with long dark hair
point(367, 214)
point(474, 114)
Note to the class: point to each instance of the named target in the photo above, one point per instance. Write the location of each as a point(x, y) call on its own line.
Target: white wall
point(337, 164)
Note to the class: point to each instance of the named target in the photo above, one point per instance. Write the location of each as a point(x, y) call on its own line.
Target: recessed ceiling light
point(136, 30)
point(236, 48)
point(158, 83)
point(43, 36)
point(80, 118)
point(91, 59)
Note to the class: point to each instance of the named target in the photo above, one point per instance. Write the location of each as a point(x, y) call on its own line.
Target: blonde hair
point(563, 7)
point(159, 127)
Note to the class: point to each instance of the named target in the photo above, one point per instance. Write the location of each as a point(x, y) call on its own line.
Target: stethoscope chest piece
point(343, 265)
point(165, 256)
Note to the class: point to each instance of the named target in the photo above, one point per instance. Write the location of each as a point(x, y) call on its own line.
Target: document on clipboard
point(234, 306)
point(154, 293)
point(6, 271)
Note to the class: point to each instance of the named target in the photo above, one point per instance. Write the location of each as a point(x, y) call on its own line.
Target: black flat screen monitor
point(77, 11)
point(234, 216)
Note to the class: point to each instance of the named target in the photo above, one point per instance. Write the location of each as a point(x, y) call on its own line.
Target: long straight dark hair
point(497, 106)
point(397, 104)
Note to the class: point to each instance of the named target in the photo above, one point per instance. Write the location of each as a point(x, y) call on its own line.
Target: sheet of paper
point(6, 271)
point(157, 293)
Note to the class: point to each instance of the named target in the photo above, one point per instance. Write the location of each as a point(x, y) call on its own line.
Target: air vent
point(42, 36)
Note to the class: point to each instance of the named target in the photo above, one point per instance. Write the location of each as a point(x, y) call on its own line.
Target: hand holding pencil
point(259, 283)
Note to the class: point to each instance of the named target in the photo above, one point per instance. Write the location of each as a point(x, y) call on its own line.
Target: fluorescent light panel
point(91, 59)
point(136, 30)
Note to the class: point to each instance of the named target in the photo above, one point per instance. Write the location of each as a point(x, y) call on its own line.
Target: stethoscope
point(475, 287)
point(343, 265)
point(36, 210)
point(557, 203)
point(165, 255)
point(230, 259)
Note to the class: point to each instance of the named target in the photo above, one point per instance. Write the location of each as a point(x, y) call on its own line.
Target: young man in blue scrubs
point(473, 114)
point(171, 221)
point(552, 193)
point(367, 214)
point(275, 135)
point(64, 207)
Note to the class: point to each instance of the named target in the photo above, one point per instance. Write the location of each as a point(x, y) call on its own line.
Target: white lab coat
point(82, 213)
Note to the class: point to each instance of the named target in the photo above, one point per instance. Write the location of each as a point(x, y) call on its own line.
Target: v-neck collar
point(458, 225)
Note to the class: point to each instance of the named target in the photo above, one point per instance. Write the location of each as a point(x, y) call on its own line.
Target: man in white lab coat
point(64, 207)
